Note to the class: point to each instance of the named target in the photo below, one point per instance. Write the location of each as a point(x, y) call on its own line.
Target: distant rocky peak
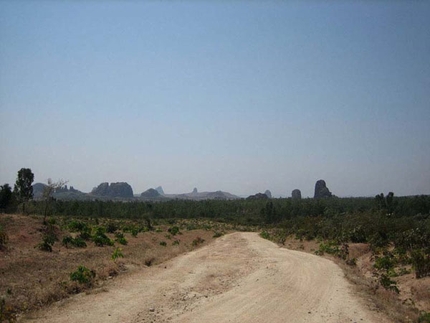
point(268, 193)
point(120, 189)
point(321, 190)
point(150, 193)
point(296, 194)
point(195, 190)
point(159, 189)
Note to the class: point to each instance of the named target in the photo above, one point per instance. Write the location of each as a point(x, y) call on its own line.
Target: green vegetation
point(49, 237)
point(399, 223)
point(6, 197)
point(73, 242)
point(83, 275)
point(117, 253)
point(424, 317)
point(23, 189)
point(100, 238)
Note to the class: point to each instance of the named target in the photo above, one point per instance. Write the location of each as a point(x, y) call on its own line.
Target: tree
point(48, 193)
point(23, 188)
point(5, 196)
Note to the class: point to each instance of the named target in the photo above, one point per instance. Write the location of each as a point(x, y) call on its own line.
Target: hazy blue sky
point(236, 96)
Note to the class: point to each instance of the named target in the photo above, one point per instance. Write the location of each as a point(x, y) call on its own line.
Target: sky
point(238, 96)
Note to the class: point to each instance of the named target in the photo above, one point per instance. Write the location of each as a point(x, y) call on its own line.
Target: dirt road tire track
point(238, 278)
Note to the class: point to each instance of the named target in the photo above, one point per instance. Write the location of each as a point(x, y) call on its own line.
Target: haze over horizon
point(233, 96)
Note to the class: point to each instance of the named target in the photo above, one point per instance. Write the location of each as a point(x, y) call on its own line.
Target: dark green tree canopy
point(23, 186)
point(5, 196)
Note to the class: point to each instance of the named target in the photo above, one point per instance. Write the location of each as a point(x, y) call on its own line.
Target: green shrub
point(100, 238)
point(421, 263)
point(175, 242)
point(265, 235)
point(75, 242)
point(83, 275)
point(111, 227)
point(79, 243)
point(119, 237)
point(44, 246)
point(217, 234)
point(173, 230)
point(48, 240)
point(163, 243)
point(330, 247)
point(66, 241)
point(117, 253)
point(85, 235)
point(384, 263)
point(77, 226)
point(387, 283)
point(424, 317)
point(134, 231)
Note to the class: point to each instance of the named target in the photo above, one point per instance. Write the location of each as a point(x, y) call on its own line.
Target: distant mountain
point(63, 193)
point(268, 193)
point(197, 196)
point(38, 189)
point(123, 191)
point(159, 189)
point(113, 190)
point(258, 196)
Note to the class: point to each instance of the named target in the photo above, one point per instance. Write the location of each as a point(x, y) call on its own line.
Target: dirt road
point(238, 278)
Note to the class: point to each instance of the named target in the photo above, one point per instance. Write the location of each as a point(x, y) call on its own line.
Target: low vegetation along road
point(238, 278)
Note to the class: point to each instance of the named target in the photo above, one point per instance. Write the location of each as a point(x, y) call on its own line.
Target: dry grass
point(31, 278)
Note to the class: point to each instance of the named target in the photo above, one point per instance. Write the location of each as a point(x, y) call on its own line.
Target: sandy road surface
point(238, 278)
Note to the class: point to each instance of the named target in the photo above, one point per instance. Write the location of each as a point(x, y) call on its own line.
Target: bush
point(66, 241)
point(101, 239)
point(384, 263)
point(217, 234)
point(119, 237)
point(79, 243)
point(75, 242)
point(330, 247)
point(163, 243)
point(174, 230)
point(388, 284)
point(48, 239)
point(77, 226)
point(83, 275)
point(421, 263)
point(111, 227)
point(134, 231)
point(265, 235)
point(117, 253)
point(424, 317)
point(197, 241)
